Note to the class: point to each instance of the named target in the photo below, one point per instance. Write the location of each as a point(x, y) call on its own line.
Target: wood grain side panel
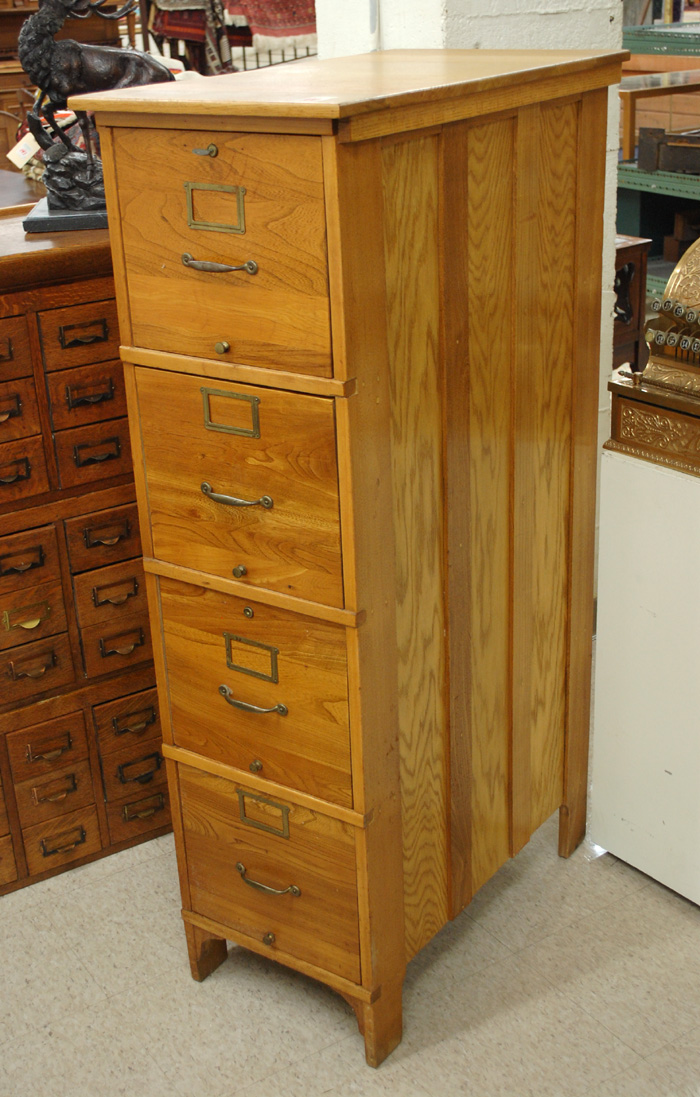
point(411, 188)
point(115, 232)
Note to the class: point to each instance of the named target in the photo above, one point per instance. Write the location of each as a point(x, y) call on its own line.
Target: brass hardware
point(269, 939)
point(223, 347)
point(210, 150)
point(14, 410)
point(99, 599)
point(82, 836)
point(50, 659)
point(291, 890)
point(83, 340)
point(35, 615)
point(24, 564)
point(56, 797)
point(8, 355)
point(93, 541)
point(49, 755)
point(73, 401)
point(149, 717)
point(281, 832)
point(248, 612)
point(141, 778)
point(157, 804)
point(245, 707)
point(126, 648)
point(23, 471)
point(255, 766)
point(216, 226)
point(273, 652)
point(253, 431)
point(233, 501)
point(240, 570)
point(208, 267)
point(96, 458)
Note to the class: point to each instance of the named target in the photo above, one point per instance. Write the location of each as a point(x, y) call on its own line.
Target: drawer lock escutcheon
point(291, 890)
point(245, 707)
point(233, 501)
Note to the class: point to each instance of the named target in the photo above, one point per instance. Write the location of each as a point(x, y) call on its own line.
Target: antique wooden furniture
point(80, 763)
point(362, 358)
point(630, 298)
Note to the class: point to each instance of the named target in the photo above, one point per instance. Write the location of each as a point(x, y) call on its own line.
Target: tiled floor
point(563, 979)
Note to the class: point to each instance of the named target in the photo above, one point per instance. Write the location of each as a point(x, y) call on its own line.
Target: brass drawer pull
point(55, 797)
point(245, 707)
point(128, 814)
point(210, 150)
point(22, 471)
point(232, 501)
point(82, 837)
point(148, 717)
point(100, 336)
point(141, 778)
point(7, 355)
point(109, 454)
point(251, 267)
point(73, 400)
point(34, 615)
point(123, 644)
point(109, 536)
point(120, 595)
point(291, 890)
point(26, 560)
point(38, 669)
point(49, 755)
point(11, 408)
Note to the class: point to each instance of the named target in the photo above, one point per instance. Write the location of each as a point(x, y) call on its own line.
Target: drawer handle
point(251, 267)
point(67, 341)
point(88, 398)
point(291, 890)
point(56, 797)
point(35, 615)
point(49, 755)
point(14, 410)
point(108, 538)
point(23, 471)
point(148, 717)
point(232, 501)
point(50, 659)
point(116, 599)
point(120, 645)
point(145, 813)
point(245, 707)
point(82, 836)
point(140, 778)
point(7, 355)
point(36, 560)
point(110, 454)
point(210, 150)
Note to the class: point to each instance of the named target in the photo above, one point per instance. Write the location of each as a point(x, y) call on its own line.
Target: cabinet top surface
point(342, 87)
point(27, 259)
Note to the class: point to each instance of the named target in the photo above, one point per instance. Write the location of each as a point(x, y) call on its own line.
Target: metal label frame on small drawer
point(216, 226)
point(283, 833)
point(253, 431)
point(273, 652)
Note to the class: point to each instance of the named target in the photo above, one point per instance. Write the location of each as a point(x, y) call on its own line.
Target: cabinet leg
point(206, 951)
point(380, 1022)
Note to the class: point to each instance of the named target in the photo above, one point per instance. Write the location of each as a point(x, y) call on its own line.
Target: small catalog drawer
point(134, 767)
point(258, 688)
point(30, 613)
point(22, 470)
point(8, 868)
point(62, 840)
point(79, 334)
point(53, 794)
point(131, 719)
point(88, 394)
point(30, 555)
point(4, 821)
point(227, 255)
point(108, 594)
point(142, 812)
point(116, 644)
point(243, 482)
point(19, 414)
point(48, 747)
point(93, 452)
point(15, 353)
point(103, 537)
point(282, 874)
point(35, 668)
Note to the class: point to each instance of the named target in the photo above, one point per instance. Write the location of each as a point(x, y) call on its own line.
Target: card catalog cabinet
point(361, 360)
point(81, 765)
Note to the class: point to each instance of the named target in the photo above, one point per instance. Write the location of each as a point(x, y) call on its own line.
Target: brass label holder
point(253, 431)
point(216, 226)
point(230, 638)
point(281, 832)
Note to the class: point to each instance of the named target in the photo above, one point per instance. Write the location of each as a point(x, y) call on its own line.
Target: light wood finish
point(440, 463)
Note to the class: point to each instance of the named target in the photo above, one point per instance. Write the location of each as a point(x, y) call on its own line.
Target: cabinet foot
point(206, 952)
point(380, 1022)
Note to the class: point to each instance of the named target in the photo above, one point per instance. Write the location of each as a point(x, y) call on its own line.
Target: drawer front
point(8, 868)
point(225, 825)
point(259, 200)
point(31, 613)
point(30, 556)
point(94, 452)
point(110, 593)
point(54, 794)
point(4, 821)
point(141, 813)
point(60, 841)
point(36, 667)
point(103, 537)
point(79, 334)
point(227, 658)
point(133, 719)
point(88, 394)
point(48, 747)
point(22, 470)
point(274, 450)
point(19, 414)
point(133, 769)
point(114, 645)
point(15, 352)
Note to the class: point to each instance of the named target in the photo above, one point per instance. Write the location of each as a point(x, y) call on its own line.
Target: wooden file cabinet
point(362, 371)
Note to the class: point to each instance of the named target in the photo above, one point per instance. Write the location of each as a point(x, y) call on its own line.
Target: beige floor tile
point(461, 948)
point(674, 1071)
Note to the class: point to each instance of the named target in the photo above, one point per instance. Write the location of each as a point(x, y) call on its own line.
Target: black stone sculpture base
point(43, 219)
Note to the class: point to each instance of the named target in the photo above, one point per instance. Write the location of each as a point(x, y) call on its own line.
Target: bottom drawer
point(144, 811)
point(8, 868)
point(272, 870)
point(62, 840)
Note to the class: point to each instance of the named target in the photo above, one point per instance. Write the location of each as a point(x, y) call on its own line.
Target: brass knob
point(255, 766)
point(269, 939)
point(223, 347)
point(240, 570)
point(248, 612)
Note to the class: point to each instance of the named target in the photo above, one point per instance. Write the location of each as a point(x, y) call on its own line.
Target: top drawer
point(226, 199)
point(79, 334)
point(15, 355)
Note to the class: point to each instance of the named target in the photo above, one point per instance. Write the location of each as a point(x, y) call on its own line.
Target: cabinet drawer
point(110, 593)
point(31, 555)
point(48, 747)
point(15, 353)
point(62, 840)
point(116, 644)
point(54, 794)
point(19, 414)
point(88, 394)
point(8, 868)
point(274, 450)
point(279, 845)
point(4, 821)
point(131, 719)
point(103, 537)
point(79, 334)
point(30, 613)
point(259, 199)
point(93, 452)
point(220, 650)
point(36, 667)
point(134, 768)
point(141, 813)
point(22, 470)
